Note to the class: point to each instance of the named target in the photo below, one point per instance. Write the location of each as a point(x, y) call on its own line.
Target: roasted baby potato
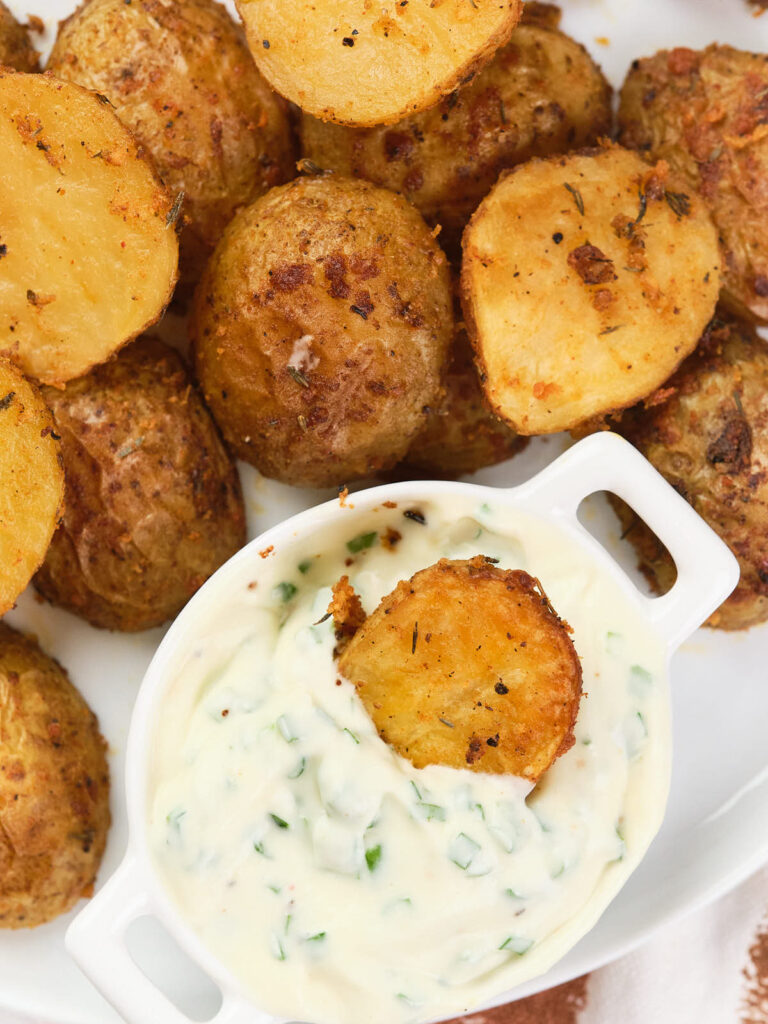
point(153, 503)
point(586, 281)
point(706, 114)
point(87, 241)
point(181, 77)
point(468, 665)
point(54, 787)
point(31, 482)
point(541, 94)
point(16, 50)
point(461, 433)
point(359, 63)
point(706, 431)
point(321, 328)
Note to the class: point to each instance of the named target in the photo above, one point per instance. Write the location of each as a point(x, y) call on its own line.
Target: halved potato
point(88, 247)
point(586, 281)
point(359, 63)
point(468, 665)
point(31, 482)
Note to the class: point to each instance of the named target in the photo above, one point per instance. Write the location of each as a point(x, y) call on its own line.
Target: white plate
point(716, 829)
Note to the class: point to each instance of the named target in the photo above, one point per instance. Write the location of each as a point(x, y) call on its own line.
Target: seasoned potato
point(586, 281)
point(321, 328)
point(87, 241)
point(359, 63)
point(540, 94)
point(181, 77)
point(706, 114)
point(468, 665)
point(31, 482)
point(54, 787)
point(461, 434)
point(15, 48)
point(153, 502)
point(706, 431)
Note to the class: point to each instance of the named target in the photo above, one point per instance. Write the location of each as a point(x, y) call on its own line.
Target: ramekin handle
point(96, 941)
point(707, 571)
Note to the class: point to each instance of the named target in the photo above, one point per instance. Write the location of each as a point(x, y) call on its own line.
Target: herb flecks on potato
point(88, 247)
point(355, 62)
point(54, 787)
point(586, 280)
point(153, 503)
point(468, 665)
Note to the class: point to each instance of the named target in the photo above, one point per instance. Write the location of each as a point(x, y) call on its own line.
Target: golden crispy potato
point(16, 50)
point(320, 330)
point(706, 431)
point(54, 787)
point(89, 247)
point(31, 482)
point(540, 94)
point(181, 77)
point(461, 434)
point(586, 281)
point(359, 63)
point(705, 113)
point(468, 665)
point(153, 503)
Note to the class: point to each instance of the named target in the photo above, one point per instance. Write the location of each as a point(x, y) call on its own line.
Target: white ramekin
point(707, 573)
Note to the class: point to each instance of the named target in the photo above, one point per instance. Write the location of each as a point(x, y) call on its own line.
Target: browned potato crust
point(320, 330)
point(468, 665)
point(15, 48)
point(706, 113)
point(88, 246)
point(182, 78)
point(153, 501)
point(355, 62)
point(586, 281)
point(541, 94)
point(461, 434)
point(706, 431)
point(31, 482)
point(54, 787)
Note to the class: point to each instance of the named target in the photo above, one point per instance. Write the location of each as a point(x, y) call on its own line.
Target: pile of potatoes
point(401, 246)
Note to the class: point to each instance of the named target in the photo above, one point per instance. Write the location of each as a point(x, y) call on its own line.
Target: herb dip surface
point(336, 882)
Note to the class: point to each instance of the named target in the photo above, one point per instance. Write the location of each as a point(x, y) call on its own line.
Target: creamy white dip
point(338, 883)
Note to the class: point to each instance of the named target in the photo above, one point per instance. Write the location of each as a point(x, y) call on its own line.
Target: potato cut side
point(586, 281)
point(88, 247)
point(31, 482)
point(467, 665)
point(359, 63)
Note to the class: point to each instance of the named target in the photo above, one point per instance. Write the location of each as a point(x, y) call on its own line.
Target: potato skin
point(153, 503)
point(467, 643)
point(706, 431)
point(705, 112)
point(541, 94)
point(54, 787)
point(16, 50)
point(320, 330)
point(181, 77)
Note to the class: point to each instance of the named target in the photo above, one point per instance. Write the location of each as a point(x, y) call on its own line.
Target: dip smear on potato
point(88, 247)
point(54, 787)
point(321, 328)
point(542, 93)
point(182, 78)
point(706, 113)
point(468, 665)
point(586, 281)
point(359, 63)
point(706, 431)
point(31, 482)
point(153, 502)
